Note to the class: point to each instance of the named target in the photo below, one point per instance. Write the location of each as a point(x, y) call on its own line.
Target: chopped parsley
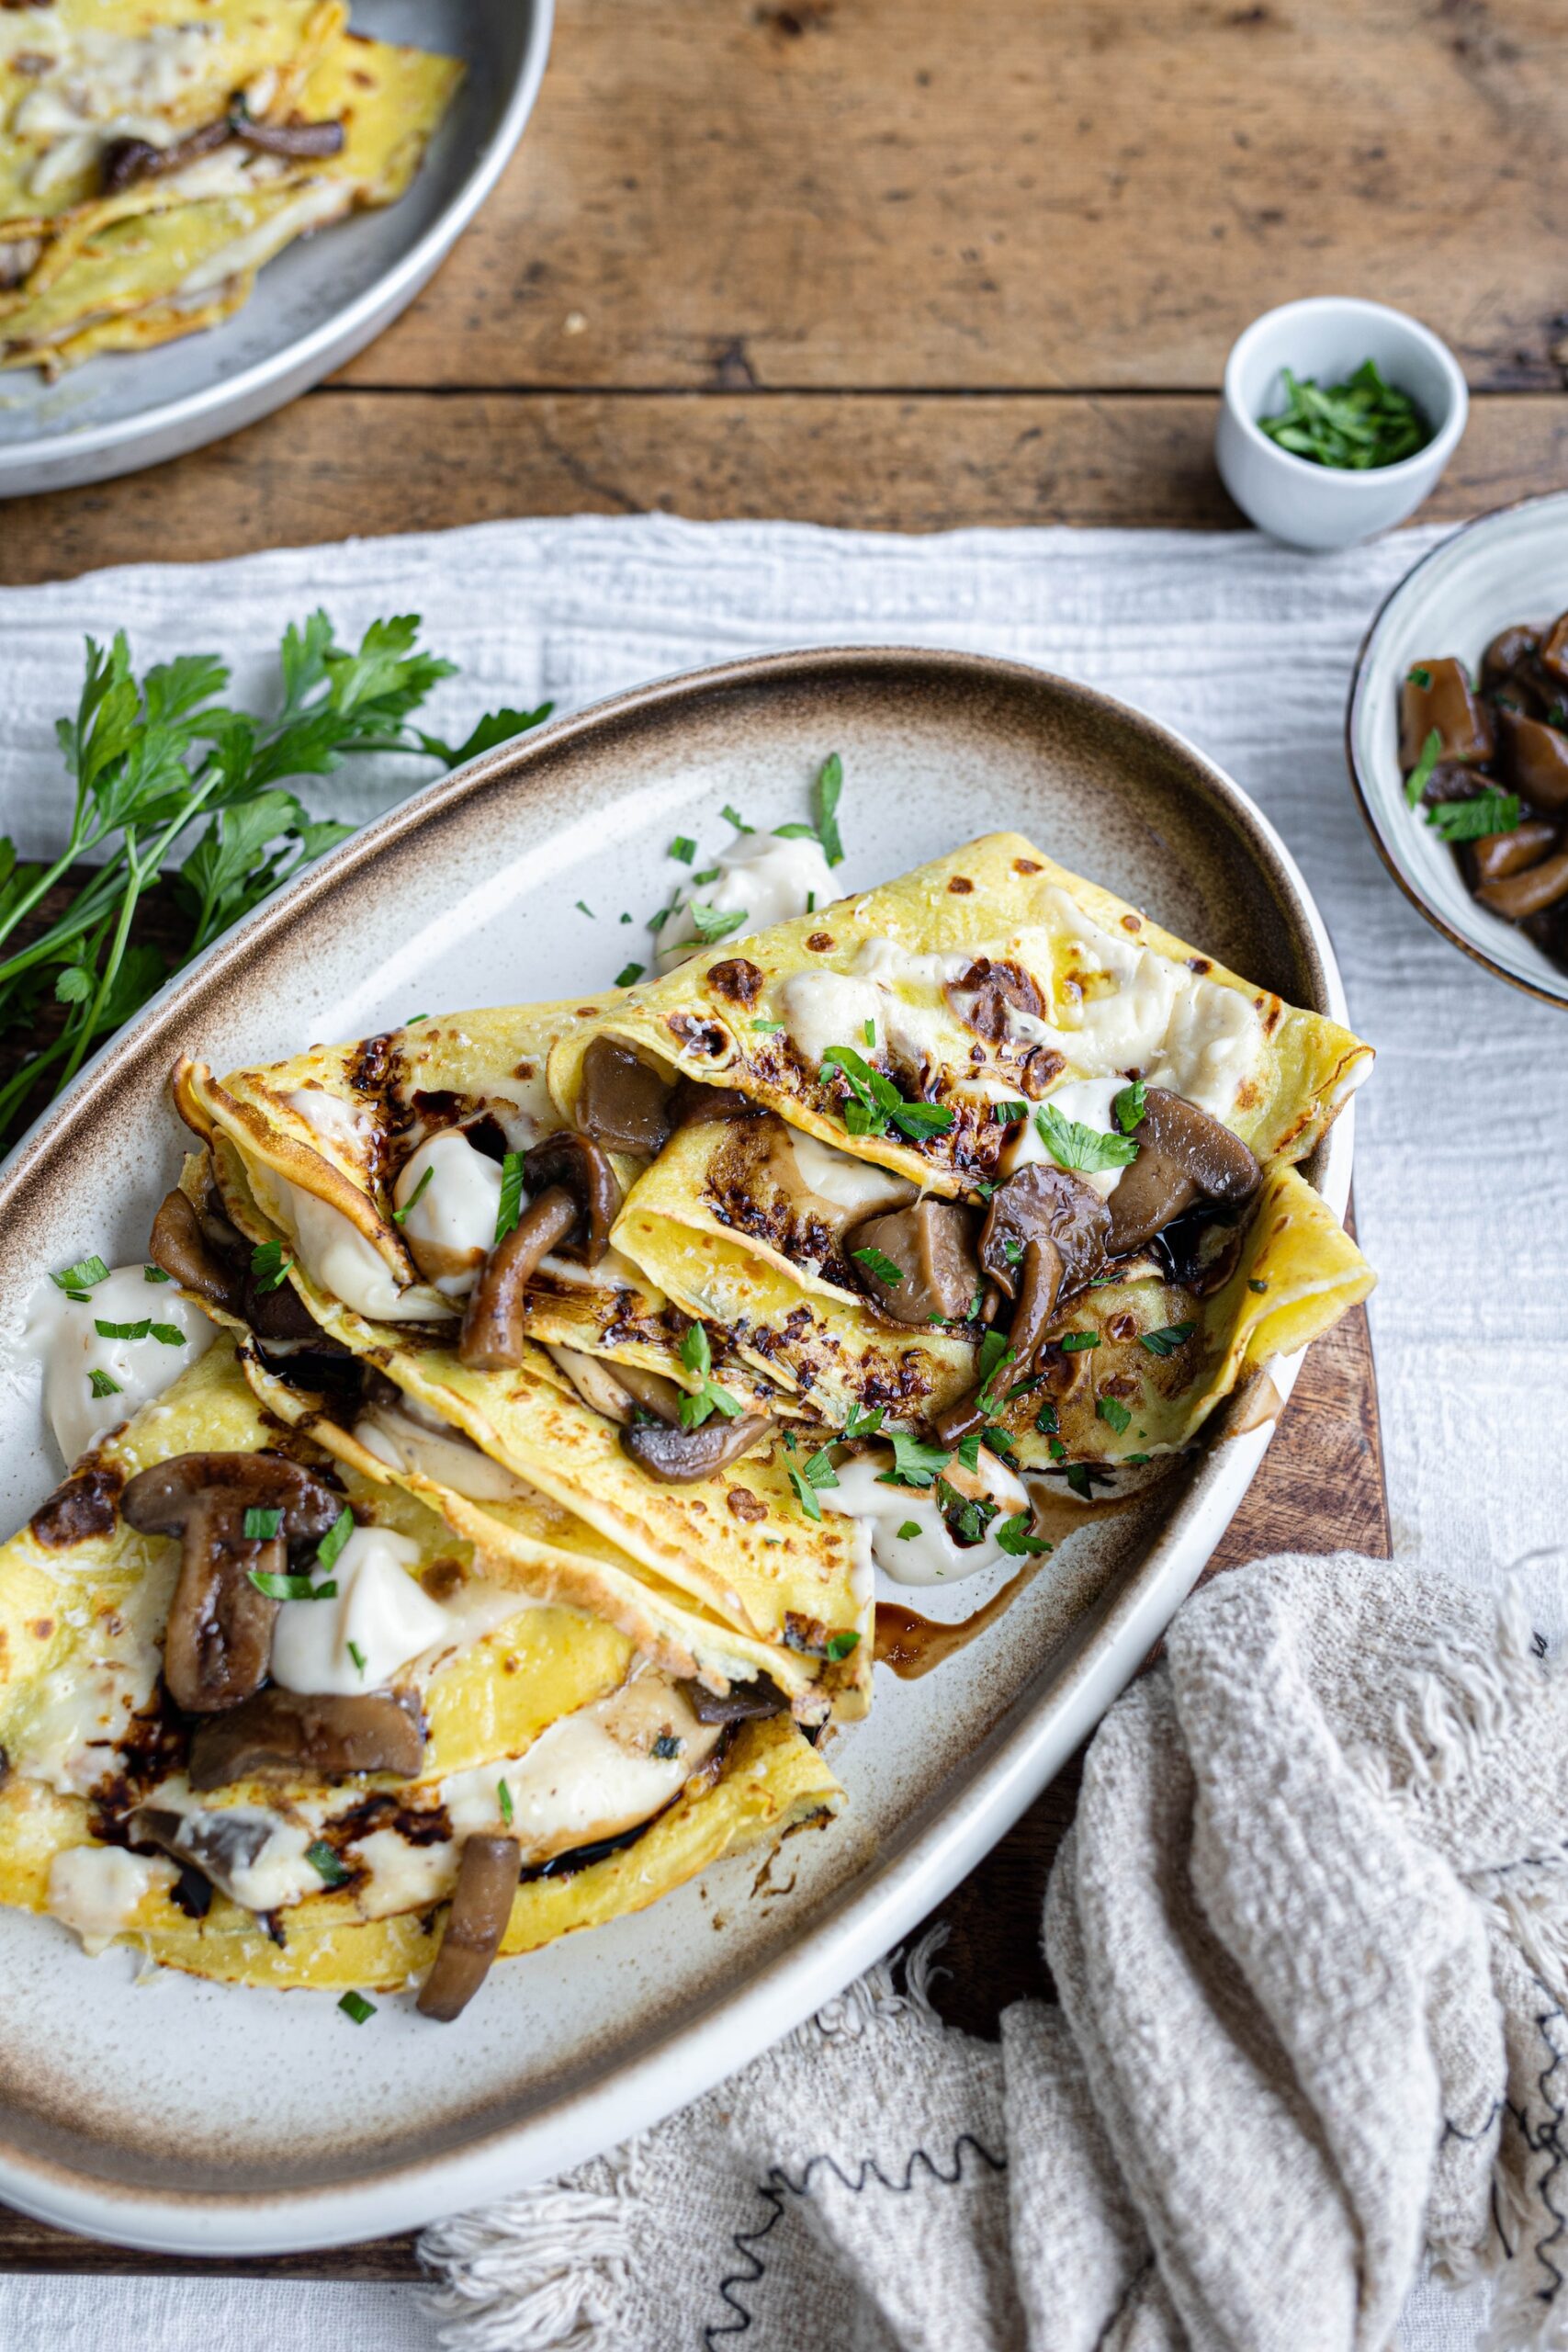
point(1136, 1460)
point(1130, 1106)
point(1111, 1411)
point(1014, 1537)
point(993, 1360)
point(503, 1795)
point(767, 1028)
point(1057, 1449)
point(1072, 1145)
point(336, 1536)
point(877, 1262)
point(1474, 820)
point(155, 1274)
point(1419, 677)
point(712, 923)
point(874, 1101)
point(1077, 1479)
point(355, 2006)
point(102, 1385)
point(863, 1424)
point(911, 1527)
point(1073, 1341)
point(999, 1440)
point(415, 1018)
point(666, 1748)
point(168, 1335)
point(326, 1865)
point(841, 1645)
point(584, 909)
point(684, 847)
point(1010, 1114)
point(1359, 423)
point(1420, 776)
point(1257, 1285)
point(1012, 1250)
point(509, 1208)
point(629, 974)
point(709, 874)
point(730, 818)
point(280, 1588)
point(357, 1655)
point(269, 1265)
point(697, 1356)
point(969, 1450)
point(80, 1278)
point(262, 1526)
point(401, 1215)
point(794, 832)
point(1047, 1421)
point(818, 1472)
point(1167, 1339)
point(870, 1033)
point(915, 1463)
point(825, 797)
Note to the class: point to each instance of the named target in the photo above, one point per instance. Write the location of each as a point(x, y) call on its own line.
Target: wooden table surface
point(912, 265)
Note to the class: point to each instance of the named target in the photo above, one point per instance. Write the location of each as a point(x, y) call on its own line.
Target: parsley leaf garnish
point(727, 813)
point(684, 848)
point(1014, 1537)
point(1420, 776)
point(629, 974)
point(1474, 820)
point(155, 1274)
point(269, 1267)
point(503, 1793)
point(1419, 677)
point(509, 1208)
point(400, 1216)
point(281, 1587)
point(910, 1526)
point(327, 1867)
point(336, 1536)
point(1072, 1145)
point(356, 2008)
point(262, 1526)
point(874, 1101)
point(713, 924)
point(697, 1356)
point(841, 1645)
point(1113, 1413)
point(1130, 1106)
point(84, 1274)
point(876, 1261)
point(818, 1472)
point(1351, 426)
point(1165, 1341)
point(1072, 1341)
point(915, 1463)
point(829, 784)
point(863, 1424)
point(102, 1385)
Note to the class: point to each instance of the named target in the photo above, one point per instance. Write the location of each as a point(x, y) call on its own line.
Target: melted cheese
point(379, 1609)
point(96, 1890)
point(403, 1876)
point(590, 1775)
point(64, 1332)
point(823, 1009)
point(454, 1215)
point(81, 1716)
point(767, 879)
point(340, 1262)
point(930, 1556)
point(853, 1184)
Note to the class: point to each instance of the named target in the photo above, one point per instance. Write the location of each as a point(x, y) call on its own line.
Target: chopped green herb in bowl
point(1357, 426)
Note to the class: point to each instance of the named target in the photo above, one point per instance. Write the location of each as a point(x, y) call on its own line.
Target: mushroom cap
point(1042, 1202)
point(933, 1244)
point(182, 1249)
point(677, 1457)
point(1183, 1151)
point(158, 1500)
point(283, 1736)
point(583, 1168)
point(1534, 759)
point(623, 1102)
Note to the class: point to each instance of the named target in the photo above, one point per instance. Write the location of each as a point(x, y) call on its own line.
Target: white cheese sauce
point(450, 1230)
point(853, 1184)
point(378, 1610)
point(96, 1890)
point(764, 879)
point(590, 1775)
point(403, 1876)
point(340, 1262)
point(64, 1334)
point(824, 1009)
point(930, 1554)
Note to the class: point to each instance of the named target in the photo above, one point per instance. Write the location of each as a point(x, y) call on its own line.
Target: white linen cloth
point(1243, 646)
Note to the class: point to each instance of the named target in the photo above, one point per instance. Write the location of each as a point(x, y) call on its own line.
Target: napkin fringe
point(550, 2269)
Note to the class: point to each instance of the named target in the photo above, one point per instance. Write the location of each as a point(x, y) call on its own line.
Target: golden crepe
point(294, 1877)
point(175, 249)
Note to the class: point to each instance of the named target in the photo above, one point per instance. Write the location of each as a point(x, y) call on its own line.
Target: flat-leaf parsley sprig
point(150, 758)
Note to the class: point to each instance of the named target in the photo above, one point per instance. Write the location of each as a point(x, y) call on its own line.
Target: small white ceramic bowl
point(1511, 565)
point(1328, 337)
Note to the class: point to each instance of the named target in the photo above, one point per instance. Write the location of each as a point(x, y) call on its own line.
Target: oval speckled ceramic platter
point(199, 2119)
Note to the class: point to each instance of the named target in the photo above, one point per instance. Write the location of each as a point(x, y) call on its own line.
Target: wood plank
point(371, 463)
point(1092, 194)
point(1321, 1487)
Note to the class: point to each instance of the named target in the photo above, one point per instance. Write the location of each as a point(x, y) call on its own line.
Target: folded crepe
point(425, 1711)
point(173, 252)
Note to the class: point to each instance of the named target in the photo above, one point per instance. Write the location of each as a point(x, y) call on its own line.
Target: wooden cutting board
point(1320, 1489)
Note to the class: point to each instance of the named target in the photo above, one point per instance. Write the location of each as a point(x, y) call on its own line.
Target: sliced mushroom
point(301, 138)
point(692, 1102)
point(575, 1193)
point(1511, 651)
point(1045, 1235)
point(1534, 759)
point(932, 1245)
point(219, 1641)
point(1553, 651)
point(482, 1907)
point(218, 1845)
point(623, 1103)
point(619, 1391)
point(282, 1735)
point(181, 1248)
point(1496, 855)
point(491, 1337)
point(677, 1457)
point(128, 161)
point(1448, 703)
point(1528, 893)
point(1182, 1151)
point(743, 1702)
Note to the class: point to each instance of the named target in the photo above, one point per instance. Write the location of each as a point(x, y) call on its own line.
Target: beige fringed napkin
point(1309, 1935)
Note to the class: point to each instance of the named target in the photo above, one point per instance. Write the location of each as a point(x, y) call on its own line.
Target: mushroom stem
point(218, 1646)
point(493, 1322)
point(482, 1907)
